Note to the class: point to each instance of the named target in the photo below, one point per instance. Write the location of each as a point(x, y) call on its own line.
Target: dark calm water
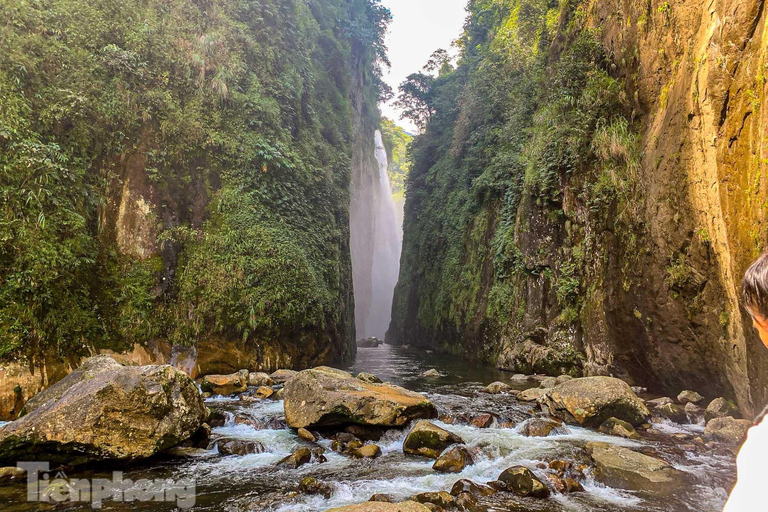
point(252, 483)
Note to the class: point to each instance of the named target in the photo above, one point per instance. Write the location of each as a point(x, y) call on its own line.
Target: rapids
point(252, 483)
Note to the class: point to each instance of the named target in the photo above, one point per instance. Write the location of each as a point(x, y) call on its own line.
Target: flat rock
point(623, 468)
point(549, 383)
point(282, 376)
point(590, 401)
point(328, 397)
point(106, 412)
point(225, 384)
point(429, 440)
point(238, 447)
point(430, 374)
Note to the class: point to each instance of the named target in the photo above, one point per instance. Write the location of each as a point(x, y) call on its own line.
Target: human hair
point(754, 287)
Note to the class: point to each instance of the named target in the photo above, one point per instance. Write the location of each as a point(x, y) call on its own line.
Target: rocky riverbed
point(256, 462)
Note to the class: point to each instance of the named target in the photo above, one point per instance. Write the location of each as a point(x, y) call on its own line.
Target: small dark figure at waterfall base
point(749, 490)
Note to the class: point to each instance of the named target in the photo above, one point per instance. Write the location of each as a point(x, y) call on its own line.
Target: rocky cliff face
point(604, 224)
point(192, 166)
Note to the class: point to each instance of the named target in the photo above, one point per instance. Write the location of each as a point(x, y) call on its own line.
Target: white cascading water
point(387, 244)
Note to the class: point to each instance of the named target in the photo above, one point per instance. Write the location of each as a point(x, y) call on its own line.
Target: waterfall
point(387, 244)
point(376, 242)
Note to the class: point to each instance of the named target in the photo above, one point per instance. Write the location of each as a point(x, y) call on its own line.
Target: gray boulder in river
point(626, 469)
point(106, 411)
point(590, 401)
point(328, 397)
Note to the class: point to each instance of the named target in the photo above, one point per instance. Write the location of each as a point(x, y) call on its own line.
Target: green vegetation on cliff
point(179, 169)
point(397, 141)
point(526, 141)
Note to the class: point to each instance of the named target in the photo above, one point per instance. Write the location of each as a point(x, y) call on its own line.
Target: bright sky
point(418, 28)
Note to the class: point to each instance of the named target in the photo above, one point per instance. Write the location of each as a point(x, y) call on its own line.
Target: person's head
point(754, 289)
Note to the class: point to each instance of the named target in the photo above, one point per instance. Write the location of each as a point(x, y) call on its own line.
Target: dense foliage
point(229, 120)
point(397, 141)
point(529, 114)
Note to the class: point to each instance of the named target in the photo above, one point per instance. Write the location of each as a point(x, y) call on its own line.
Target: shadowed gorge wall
point(588, 191)
point(180, 171)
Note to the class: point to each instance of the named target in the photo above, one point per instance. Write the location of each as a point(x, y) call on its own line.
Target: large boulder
point(720, 408)
point(328, 397)
point(429, 440)
point(590, 401)
point(106, 411)
point(626, 469)
point(381, 506)
point(728, 430)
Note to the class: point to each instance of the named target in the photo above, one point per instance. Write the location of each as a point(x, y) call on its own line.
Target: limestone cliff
point(618, 194)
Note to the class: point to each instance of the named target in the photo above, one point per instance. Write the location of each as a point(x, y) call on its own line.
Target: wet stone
point(471, 487)
point(296, 459)
point(482, 421)
point(454, 460)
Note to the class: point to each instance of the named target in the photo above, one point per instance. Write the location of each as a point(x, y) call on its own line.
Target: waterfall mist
point(376, 245)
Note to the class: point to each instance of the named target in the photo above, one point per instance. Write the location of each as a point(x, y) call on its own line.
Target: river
point(252, 483)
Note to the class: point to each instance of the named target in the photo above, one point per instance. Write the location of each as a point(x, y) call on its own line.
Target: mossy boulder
point(721, 408)
point(523, 482)
point(589, 401)
point(105, 411)
point(429, 440)
point(328, 397)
